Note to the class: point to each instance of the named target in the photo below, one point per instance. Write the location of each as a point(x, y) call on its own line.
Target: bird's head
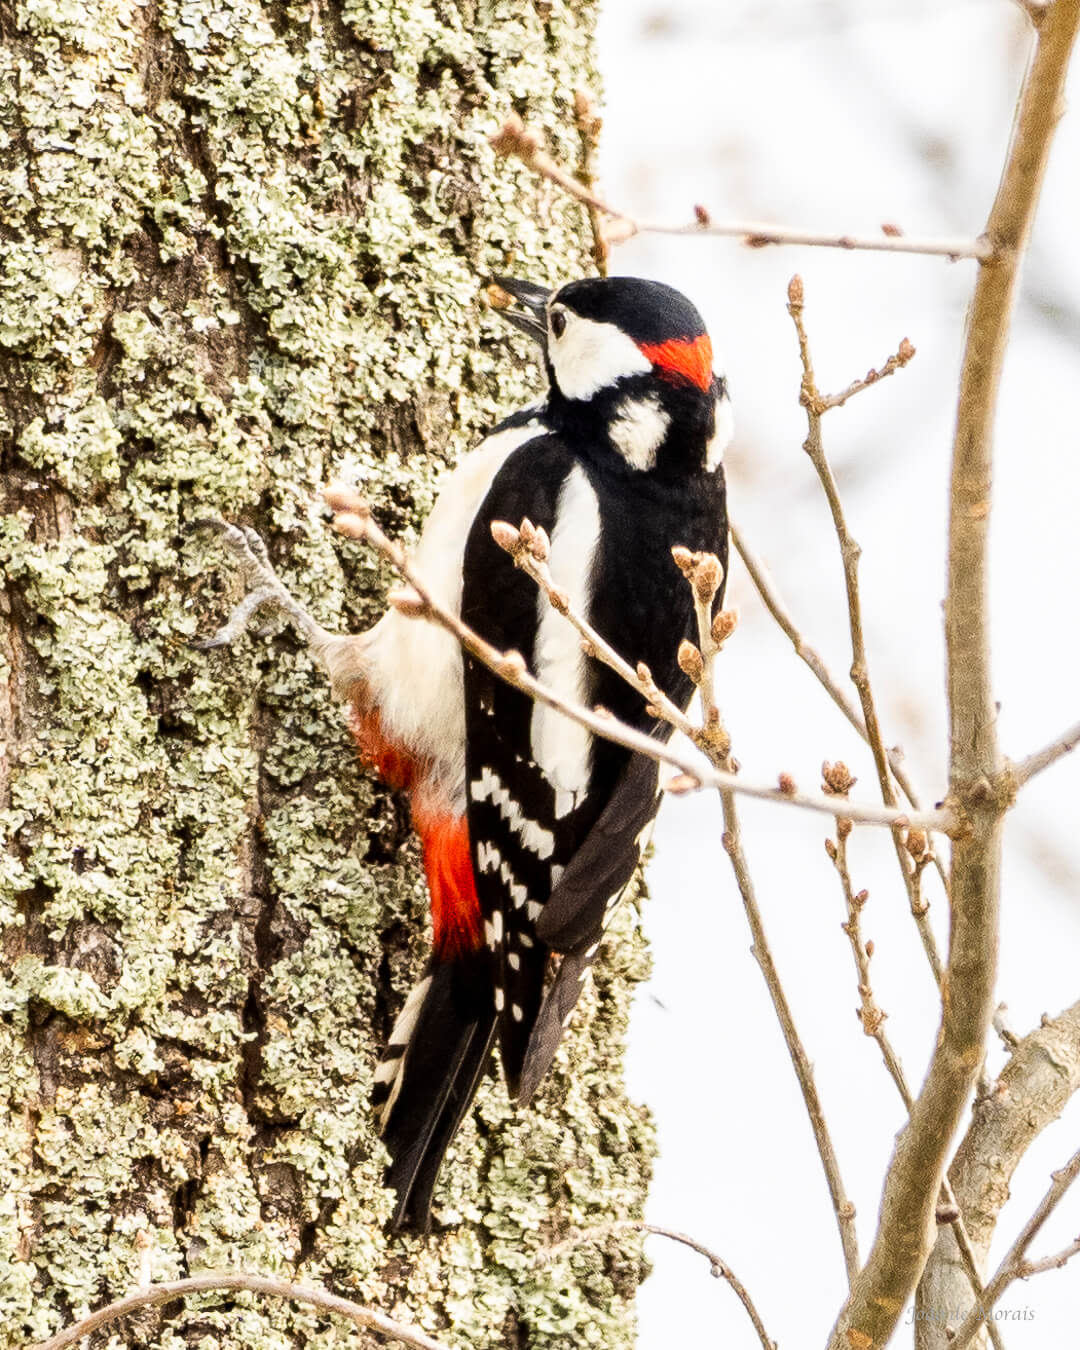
point(630, 366)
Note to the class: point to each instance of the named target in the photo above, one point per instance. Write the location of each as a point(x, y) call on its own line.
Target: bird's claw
point(264, 588)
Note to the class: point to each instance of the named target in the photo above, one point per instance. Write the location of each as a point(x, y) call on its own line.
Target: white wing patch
point(561, 748)
point(638, 429)
point(489, 787)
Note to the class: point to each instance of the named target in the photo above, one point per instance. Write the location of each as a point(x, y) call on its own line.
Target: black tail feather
point(447, 1044)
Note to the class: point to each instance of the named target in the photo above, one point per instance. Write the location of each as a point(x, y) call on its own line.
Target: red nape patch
point(398, 768)
point(455, 909)
point(682, 359)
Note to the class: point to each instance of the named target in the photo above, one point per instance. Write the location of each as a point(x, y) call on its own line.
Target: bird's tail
point(428, 1075)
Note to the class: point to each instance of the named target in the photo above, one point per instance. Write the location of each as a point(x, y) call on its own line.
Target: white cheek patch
point(590, 356)
point(638, 429)
point(721, 437)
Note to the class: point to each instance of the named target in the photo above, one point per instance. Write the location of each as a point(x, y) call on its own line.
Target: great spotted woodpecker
point(531, 826)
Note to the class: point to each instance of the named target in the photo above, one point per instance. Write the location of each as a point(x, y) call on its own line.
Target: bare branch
point(1061, 745)
point(1054, 1262)
point(873, 1019)
point(515, 138)
point(354, 519)
point(977, 780)
point(816, 406)
point(897, 361)
point(842, 1206)
point(770, 597)
point(1040, 1077)
point(718, 1267)
point(171, 1290)
point(1013, 1265)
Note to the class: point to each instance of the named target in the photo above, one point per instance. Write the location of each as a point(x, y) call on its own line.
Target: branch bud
point(830, 849)
point(560, 601)
point(684, 560)
point(682, 783)
point(838, 778)
point(707, 577)
point(512, 666)
point(505, 535)
point(795, 290)
point(786, 785)
point(843, 827)
point(644, 674)
point(917, 844)
point(690, 661)
point(340, 497)
point(724, 625)
point(540, 547)
point(408, 602)
point(701, 216)
point(351, 524)
point(515, 138)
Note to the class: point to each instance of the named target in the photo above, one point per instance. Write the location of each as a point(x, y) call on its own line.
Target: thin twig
point(1054, 1262)
point(515, 138)
point(1013, 1266)
point(816, 406)
point(589, 124)
point(354, 519)
point(770, 597)
point(170, 1290)
point(977, 781)
point(718, 1267)
point(1061, 745)
point(842, 1206)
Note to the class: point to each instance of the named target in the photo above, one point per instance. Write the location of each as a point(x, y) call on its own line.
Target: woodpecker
point(531, 827)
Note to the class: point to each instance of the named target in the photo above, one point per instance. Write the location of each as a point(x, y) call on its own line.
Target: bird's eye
point(558, 323)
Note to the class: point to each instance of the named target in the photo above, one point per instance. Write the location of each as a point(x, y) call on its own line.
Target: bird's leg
point(266, 589)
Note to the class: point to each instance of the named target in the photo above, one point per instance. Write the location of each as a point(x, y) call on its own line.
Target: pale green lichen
point(243, 253)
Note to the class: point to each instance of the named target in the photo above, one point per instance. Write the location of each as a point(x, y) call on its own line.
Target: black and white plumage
point(619, 462)
point(531, 826)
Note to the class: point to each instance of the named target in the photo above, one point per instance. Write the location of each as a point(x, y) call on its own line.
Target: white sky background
point(844, 115)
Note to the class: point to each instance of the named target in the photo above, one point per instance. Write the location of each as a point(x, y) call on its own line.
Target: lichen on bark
point(243, 248)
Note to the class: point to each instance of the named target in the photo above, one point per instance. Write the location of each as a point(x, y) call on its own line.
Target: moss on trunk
point(243, 245)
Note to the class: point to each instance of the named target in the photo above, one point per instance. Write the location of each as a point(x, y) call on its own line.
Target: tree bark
point(244, 245)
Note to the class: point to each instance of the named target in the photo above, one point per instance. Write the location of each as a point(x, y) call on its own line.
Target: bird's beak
point(534, 298)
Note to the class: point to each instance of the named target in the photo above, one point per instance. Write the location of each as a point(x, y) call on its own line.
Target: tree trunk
point(244, 246)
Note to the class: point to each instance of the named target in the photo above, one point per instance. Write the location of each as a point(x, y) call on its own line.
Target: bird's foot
point(265, 589)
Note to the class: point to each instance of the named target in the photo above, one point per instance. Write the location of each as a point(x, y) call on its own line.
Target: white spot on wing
point(489, 859)
point(489, 787)
point(637, 430)
point(500, 999)
point(516, 1012)
point(561, 748)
